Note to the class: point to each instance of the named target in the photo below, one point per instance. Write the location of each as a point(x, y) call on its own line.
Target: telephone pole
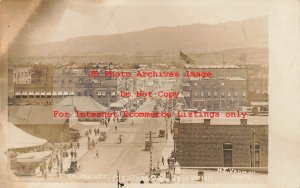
point(118, 176)
point(150, 152)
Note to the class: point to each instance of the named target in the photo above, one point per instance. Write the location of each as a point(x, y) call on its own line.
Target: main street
point(129, 157)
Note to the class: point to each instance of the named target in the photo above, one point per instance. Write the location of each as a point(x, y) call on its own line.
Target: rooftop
point(36, 114)
point(223, 120)
point(83, 104)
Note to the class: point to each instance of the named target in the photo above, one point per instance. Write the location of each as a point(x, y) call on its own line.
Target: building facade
point(206, 145)
point(215, 94)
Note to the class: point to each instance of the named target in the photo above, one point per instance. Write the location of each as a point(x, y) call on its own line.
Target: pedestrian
point(57, 172)
point(106, 124)
point(116, 128)
point(61, 167)
point(71, 145)
point(41, 168)
point(75, 154)
point(45, 174)
point(97, 154)
point(93, 143)
point(72, 154)
point(50, 165)
point(163, 160)
point(131, 122)
point(98, 131)
point(78, 145)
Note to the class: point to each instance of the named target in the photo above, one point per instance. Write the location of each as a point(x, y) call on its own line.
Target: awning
point(31, 93)
point(37, 93)
point(24, 93)
point(116, 105)
point(101, 93)
point(113, 93)
point(71, 93)
point(125, 100)
point(33, 157)
point(17, 138)
point(66, 93)
point(43, 93)
point(48, 93)
point(259, 103)
point(54, 93)
point(60, 93)
point(18, 93)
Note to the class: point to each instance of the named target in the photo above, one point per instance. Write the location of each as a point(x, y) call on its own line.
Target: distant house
point(39, 121)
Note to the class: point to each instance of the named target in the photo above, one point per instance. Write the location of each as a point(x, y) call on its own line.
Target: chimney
point(244, 122)
point(206, 122)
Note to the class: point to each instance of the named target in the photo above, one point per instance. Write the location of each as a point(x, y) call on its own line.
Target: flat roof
point(223, 120)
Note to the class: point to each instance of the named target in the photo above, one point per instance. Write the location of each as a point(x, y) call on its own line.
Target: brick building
point(213, 143)
point(215, 94)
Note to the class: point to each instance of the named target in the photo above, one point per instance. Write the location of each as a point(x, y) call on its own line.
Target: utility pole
point(118, 176)
point(150, 152)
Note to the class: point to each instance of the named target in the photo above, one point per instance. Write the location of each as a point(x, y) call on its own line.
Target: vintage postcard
point(128, 93)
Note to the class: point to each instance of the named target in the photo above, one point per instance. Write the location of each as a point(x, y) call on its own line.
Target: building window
point(222, 93)
point(229, 94)
point(202, 94)
point(216, 93)
point(236, 93)
point(195, 84)
point(195, 94)
point(227, 151)
point(256, 155)
point(244, 94)
point(208, 94)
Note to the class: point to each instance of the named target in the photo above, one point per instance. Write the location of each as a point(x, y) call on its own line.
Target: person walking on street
point(75, 154)
point(78, 145)
point(57, 172)
point(97, 154)
point(131, 122)
point(50, 165)
point(163, 160)
point(116, 128)
point(72, 154)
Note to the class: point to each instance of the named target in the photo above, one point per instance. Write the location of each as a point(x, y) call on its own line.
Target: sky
point(102, 17)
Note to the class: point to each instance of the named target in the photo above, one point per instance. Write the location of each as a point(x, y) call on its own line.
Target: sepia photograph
point(127, 92)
